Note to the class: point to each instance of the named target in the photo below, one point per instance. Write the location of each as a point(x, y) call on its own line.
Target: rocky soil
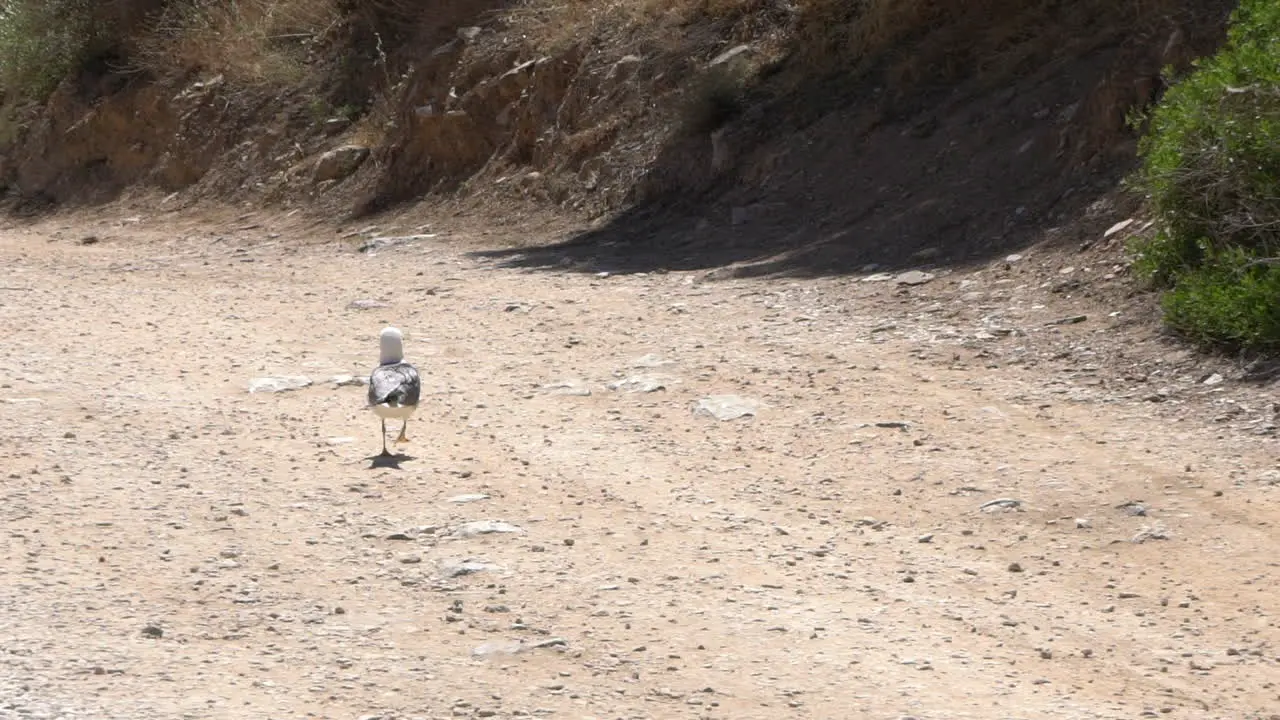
point(964, 493)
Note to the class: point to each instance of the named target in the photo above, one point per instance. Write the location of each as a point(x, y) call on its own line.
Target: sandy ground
point(177, 547)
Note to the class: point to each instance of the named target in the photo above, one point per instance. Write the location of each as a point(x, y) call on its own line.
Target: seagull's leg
point(384, 437)
point(402, 438)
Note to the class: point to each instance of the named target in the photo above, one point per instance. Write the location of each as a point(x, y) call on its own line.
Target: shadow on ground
point(659, 239)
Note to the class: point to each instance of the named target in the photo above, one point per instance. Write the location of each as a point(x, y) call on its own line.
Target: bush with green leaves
point(1211, 164)
point(41, 41)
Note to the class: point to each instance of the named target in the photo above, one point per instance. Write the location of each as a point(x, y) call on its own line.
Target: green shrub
point(41, 41)
point(1211, 164)
point(1231, 301)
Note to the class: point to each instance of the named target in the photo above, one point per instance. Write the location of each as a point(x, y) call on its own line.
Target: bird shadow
point(388, 461)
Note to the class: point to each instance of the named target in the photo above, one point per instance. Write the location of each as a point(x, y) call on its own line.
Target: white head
point(391, 346)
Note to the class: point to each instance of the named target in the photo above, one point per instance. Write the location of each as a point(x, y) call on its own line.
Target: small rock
point(1146, 534)
point(726, 407)
point(730, 54)
point(1071, 320)
point(453, 569)
point(279, 384)
point(913, 277)
point(651, 361)
point(554, 642)
point(486, 527)
point(1133, 509)
point(152, 631)
point(348, 381)
point(367, 304)
point(1117, 227)
point(379, 243)
point(1214, 379)
point(1001, 504)
point(926, 538)
point(568, 387)
point(640, 384)
point(1083, 523)
point(1015, 567)
point(512, 647)
point(468, 498)
point(339, 163)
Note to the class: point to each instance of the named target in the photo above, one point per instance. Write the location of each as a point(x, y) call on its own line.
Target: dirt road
point(177, 547)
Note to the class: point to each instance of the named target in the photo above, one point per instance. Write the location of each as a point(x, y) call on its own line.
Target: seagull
point(394, 385)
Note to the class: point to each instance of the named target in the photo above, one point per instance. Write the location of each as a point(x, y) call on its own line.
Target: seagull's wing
point(397, 385)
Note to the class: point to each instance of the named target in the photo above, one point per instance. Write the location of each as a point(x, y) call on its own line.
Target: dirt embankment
point(741, 128)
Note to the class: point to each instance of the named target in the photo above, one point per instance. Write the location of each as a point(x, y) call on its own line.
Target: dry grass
point(554, 25)
point(253, 42)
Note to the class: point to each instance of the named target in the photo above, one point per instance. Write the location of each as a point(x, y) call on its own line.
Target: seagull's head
point(391, 346)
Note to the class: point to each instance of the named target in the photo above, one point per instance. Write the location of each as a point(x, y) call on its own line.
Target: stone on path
point(640, 384)
point(283, 383)
point(727, 407)
point(486, 527)
point(568, 387)
point(913, 277)
point(468, 498)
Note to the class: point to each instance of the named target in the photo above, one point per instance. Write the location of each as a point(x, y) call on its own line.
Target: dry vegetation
point(249, 41)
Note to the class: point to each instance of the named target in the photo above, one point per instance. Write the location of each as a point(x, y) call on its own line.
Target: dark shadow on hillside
point(659, 239)
point(823, 177)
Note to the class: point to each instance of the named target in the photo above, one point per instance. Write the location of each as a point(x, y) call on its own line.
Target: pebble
point(486, 527)
point(913, 277)
point(576, 388)
point(1133, 509)
point(726, 407)
point(284, 383)
point(468, 498)
point(453, 569)
point(366, 304)
point(1070, 320)
point(878, 277)
point(650, 361)
point(640, 384)
point(348, 381)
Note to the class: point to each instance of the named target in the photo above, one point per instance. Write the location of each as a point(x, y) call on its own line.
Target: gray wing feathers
point(395, 385)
